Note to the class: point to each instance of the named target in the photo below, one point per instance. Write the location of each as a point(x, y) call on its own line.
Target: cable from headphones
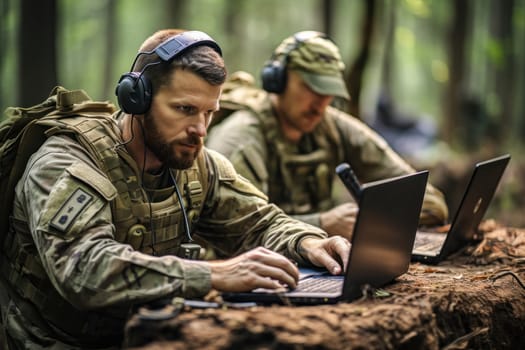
point(189, 249)
point(182, 208)
point(142, 53)
point(124, 143)
point(143, 69)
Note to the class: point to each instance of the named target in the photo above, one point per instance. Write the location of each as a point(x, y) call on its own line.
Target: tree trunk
point(504, 70)
point(457, 35)
point(4, 38)
point(327, 7)
point(234, 25)
point(108, 82)
point(176, 14)
point(37, 70)
point(355, 75)
point(389, 13)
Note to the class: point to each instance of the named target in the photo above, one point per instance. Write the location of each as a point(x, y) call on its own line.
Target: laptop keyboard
point(325, 284)
point(428, 241)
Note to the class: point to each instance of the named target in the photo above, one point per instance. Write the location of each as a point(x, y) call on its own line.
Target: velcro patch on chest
point(70, 210)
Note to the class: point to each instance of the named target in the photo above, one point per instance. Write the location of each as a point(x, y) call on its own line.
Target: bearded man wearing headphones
point(110, 210)
point(287, 139)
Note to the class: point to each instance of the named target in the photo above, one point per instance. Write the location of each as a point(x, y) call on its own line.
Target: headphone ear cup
point(134, 93)
point(273, 76)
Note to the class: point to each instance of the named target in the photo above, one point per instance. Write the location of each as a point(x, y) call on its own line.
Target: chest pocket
point(162, 228)
point(305, 186)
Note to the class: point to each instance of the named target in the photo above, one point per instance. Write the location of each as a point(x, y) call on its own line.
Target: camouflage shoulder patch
point(75, 200)
point(70, 210)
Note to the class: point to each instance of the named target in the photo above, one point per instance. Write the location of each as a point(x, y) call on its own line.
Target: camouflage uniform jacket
point(81, 274)
point(299, 177)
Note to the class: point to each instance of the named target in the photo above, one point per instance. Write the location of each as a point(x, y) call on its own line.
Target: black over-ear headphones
point(134, 90)
point(273, 74)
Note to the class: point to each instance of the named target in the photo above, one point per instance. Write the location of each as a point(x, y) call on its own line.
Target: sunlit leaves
point(440, 71)
point(418, 8)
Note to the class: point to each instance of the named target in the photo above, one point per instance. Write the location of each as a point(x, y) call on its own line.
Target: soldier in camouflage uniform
point(98, 216)
point(287, 139)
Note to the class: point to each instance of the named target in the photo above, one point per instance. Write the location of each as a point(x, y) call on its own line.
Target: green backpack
point(21, 136)
point(238, 92)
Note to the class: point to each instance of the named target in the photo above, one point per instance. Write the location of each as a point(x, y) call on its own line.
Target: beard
point(172, 154)
point(305, 122)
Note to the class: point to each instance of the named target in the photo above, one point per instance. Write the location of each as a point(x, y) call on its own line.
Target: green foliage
point(495, 52)
point(248, 31)
point(97, 41)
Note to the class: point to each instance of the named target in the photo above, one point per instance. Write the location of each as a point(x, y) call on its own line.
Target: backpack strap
point(22, 136)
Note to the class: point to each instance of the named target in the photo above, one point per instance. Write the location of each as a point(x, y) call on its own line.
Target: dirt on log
point(473, 300)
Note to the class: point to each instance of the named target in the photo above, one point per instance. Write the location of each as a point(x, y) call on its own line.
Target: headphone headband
point(134, 91)
point(170, 48)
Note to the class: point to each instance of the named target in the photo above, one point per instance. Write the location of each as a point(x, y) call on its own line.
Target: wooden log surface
point(473, 300)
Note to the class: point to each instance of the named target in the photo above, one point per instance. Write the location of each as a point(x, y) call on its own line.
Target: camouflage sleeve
point(312, 219)
point(241, 139)
point(77, 246)
point(372, 159)
point(237, 216)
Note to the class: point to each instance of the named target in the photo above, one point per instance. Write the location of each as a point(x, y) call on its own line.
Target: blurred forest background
point(442, 81)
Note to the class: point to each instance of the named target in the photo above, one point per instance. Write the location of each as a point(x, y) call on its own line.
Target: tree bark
point(389, 13)
point(176, 16)
point(37, 67)
point(108, 82)
point(475, 300)
point(355, 76)
point(454, 118)
point(503, 71)
point(327, 8)
point(4, 38)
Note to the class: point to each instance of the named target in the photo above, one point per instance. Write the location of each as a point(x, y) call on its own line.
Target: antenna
point(347, 175)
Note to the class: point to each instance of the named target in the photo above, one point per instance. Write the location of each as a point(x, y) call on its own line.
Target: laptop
point(431, 247)
point(382, 241)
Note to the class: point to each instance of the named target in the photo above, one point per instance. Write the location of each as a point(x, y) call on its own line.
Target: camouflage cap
point(317, 60)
